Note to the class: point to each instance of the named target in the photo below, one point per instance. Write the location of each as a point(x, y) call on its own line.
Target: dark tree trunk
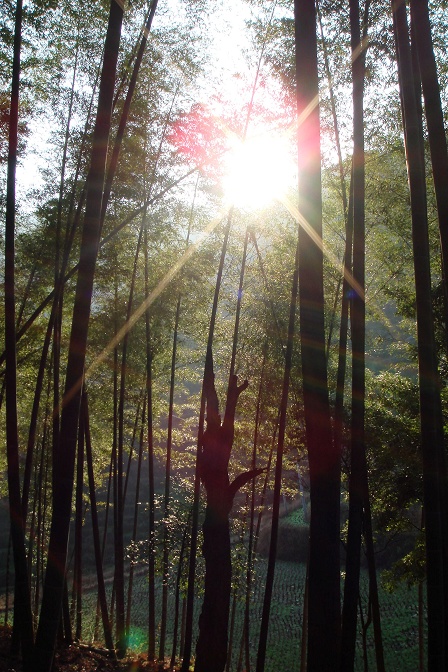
point(35, 413)
point(252, 539)
point(357, 452)
point(183, 628)
point(434, 117)
point(211, 649)
point(217, 442)
point(421, 628)
point(135, 521)
point(374, 604)
point(125, 113)
point(265, 487)
point(115, 447)
point(430, 416)
point(137, 420)
point(166, 506)
point(77, 580)
point(119, 543)
point(195, 512)
point(51, 322)
point(421, 42)
point(41, 509)
point(95, 528)
point(304, 639)
point(262, 644)
point(232, 630)
point(166, 503)
point(216, 447)
point(151, 493)
point(66, 621)
point(324, 461)
point(359, 512)
point(342, 177)
point(177, 596)
point(23, 625)
point(57, 553)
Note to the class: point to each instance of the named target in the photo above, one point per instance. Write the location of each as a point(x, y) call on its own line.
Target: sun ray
point(315, 237)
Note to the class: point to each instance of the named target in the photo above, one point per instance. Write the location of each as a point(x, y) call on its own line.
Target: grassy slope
point(399, 614)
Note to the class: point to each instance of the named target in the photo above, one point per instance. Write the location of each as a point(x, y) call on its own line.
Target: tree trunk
point(166, 505)
point(119, 544)
point(324, 461)
point(95, 529)
point(374, 604)
point(232, 630)
point(216, 447)
point(304, 639)
point(251, 542)
point(342, 175)
point(262, 644)
point(211, 649)
point(135, 521)
point(430, 417)
point(434, 118)
point(57, 553)
point(137, 420)
point(77, 580)
point(195, 513)
point(421, 42)
point(357, 451)
point(151, 493)
point(125, 113)
point(23, 624)
point(177, 597)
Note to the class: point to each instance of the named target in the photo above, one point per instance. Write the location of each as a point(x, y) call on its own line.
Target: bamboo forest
point(224, 360)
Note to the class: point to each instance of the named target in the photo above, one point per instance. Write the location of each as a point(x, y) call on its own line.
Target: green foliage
point(393, 440)
point(393, 443)
point(409, 568)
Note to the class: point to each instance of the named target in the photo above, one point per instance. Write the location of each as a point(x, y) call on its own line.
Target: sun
point(258, 170)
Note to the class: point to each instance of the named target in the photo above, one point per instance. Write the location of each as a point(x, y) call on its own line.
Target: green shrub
point(292, 543)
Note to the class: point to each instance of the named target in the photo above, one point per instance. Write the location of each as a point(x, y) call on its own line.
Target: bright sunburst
point(258, 170)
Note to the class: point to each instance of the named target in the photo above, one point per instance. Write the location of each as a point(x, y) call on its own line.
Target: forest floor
point(78, 658)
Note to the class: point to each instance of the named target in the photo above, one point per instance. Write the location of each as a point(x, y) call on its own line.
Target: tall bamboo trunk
point(262, 644)
point(195, 513)
point(150, 446)
point(166, 507)
point(125, 112)
point(434, 117)
point(135, 521)
point(119, 542)
point(177, 597)
point(252, 535)
point(95, 528)
point(324, 460)
point(57, 552)
point(430, 417)
point(23, 625)
point(78, 531)
point(357, 448)
point(421, 41)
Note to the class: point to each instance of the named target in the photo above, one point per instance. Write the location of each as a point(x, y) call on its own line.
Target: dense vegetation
point(194, 347)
